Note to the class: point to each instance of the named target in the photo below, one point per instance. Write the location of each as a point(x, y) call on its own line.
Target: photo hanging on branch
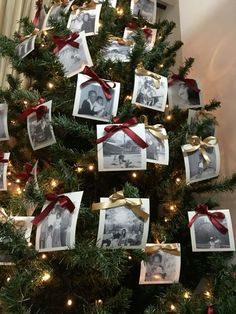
point(149, 35)
point(111, 2)
point(122, 227)
point(118, 49)
point(86, 20)
point(196, 118)
point(206, 237)
point(26, 46)
point(4, 157)
point(40, 130)
point(150, 90)
point(119, 151)
point(92, 103)
point(162, 265)
point(4, 135)
point(57, 230)
point(145, 8)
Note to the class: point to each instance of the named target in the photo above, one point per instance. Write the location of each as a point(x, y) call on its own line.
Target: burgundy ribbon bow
point(191, 83)
point(94, 77)
point(39, 4)
point(210, 309)
point(2, 160)
point(63, 200)
point(39, 110)
point(26, 173)
point(147, 32)
point(134, 26)
point(111, 129)
point(203, 210)
point(69, 40)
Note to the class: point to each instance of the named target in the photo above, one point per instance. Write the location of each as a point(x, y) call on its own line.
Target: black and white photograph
point(24, 224)
point(198, 118)
point(85, 20)
point(184, 97)
point(111, 2)
point(75, 59)
point(158, 149)
point(56, 231)
point(26, 46)
point(91, 102)
point(120, 152)
point(145, 8)
point(116, 51)
point(3, 173)
point(40, 131)
point(161, 267)
point(150, 36)
point(56, 13)
point(120, 227)
point(197, 168)
point(147, 94)
point(4, 135)
point(205, 237)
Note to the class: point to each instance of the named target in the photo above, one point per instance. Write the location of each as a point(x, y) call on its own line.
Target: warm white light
point(9, 183)
point(99, 301)
point(129, 257)
point(17, 180)
point(91, 167)
point(50, 85)
point(79, 169)
point(161, 65)
point(8, 279)
point(169, 117)
point(25, 102)
point(18, 190)
point(119, 11)
point(69, 302)
point(44, 256)
point(172, 207)
point(207, 294)
point(177, 180)
point(9, 173)
point(13, 122)
point(134, 175)
point(46, 277)
point(186, 295)
point(166, 219)
point(30, 244)
point(54, 183)
point(172, 307)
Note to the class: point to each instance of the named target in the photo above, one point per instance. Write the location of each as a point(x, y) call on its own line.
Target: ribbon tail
point(43, 214)
point(218, 225)
point(137, 139)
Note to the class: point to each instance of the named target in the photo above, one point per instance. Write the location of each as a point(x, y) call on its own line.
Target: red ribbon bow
point(26, 173)
point(191, 83)
point(147, 32)
point(203, 210)
point(134, 26)
point(210, 309)
point(2, 160)
point(69, 40)
point(111, 129)
point(63, 200)
point(94, 77)
point(39, 110)
point(39, 5)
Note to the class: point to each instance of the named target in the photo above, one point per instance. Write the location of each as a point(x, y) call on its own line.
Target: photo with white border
point(111, 2)
point(194, 119)
point(26, 46)
point(4, 135)
point(3, 173)
point(115, 51)
point(149, 40)
point(145, 8)
point(157, 150)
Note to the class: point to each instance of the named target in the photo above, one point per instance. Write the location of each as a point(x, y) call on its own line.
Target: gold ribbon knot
point(140, 70)
point(170, 248)
point(155, 129)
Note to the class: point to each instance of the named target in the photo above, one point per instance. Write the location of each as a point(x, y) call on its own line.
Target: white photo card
point(90, 101)
point(4, 135)
point(26, 46)
point(119, 152)
point(145, 8)
point(162, 265)
point(57, 231)
point(40, 131)
point(196, 117)
point(150, 37)
point(111, 2)
point(117, 51)
point(3, 172)
point(205, 237)
point(120, 227)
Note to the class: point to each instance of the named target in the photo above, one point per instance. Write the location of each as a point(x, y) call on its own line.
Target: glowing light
point(134, 175)
point(172, 207)
point(30, 244)
point(177, 180)
point(91, 167)
point(25, 102)
point(45, 33)
point(8, 279)
point(18, 190)
point(129, 257)
point(50, 85)
point(44, 256)
point(207, 294)
point(99, 302)
point(9, 183)
point(42, 45)
point(161, 65)
point(17, 180)
point(46, 277)
point(172, 307)
point(160, 37)
point(79, 169)
point(119, 11)
point(69, 302)
point(166, 219)
point(13, 122)
point(169, 117)
point(128, 97)
point(54, 183)
point(186, 295)
point(9, 173)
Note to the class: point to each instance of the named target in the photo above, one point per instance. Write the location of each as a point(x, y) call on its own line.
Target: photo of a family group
point(206, 237)
point(145, 8)
point(161, 267)
point(116, 51)
point(4, 135)
point(25, 47)
point(86, 20)
point(196, 120)
point(120, 227)
point(197, 168)
point(147, 94)
point(3, 172)
point(158, 149)
point(91, 102)
point(57, 230)
point(40, 131)
point(120, 152)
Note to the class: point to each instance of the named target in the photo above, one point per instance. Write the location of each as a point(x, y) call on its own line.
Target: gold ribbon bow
point(195, 143)
point(170, 248)
point(3, 215)
point(140, 70)
point(121, 41)
point(88, 5)
point(118, 199)
point(155, 130)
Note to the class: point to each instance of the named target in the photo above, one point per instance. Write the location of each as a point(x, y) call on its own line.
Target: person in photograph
point(147, 93)
point(155, 268)
point(99, 107)
point(56, 238)
point(183, 95)
point(143, 7)
point(123, 239)
point(88, 24)
point(43, 233)
point(65, 227)
point(154, 146)
point(89, 104)
point(48, 241)
point(2, 125)
point(76, 23)
point(1, 175)
point(40, 130)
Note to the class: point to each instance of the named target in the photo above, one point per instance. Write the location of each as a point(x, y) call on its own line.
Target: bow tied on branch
point(68, 40)
point(40, 111)
point(191, 83)
point(141, 71)
point(170, 248)
point(156, 130)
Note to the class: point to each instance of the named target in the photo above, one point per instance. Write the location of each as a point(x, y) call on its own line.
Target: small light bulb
point(25, 102)
point(44, 256)
point(177, 180)
point(8, 279)
point(91, 167)
point(9, 183)
point(18, 190)
point(69, 302)
point(45, 33)
point(134, 175)
point(161, 65)
point(13, 122)
point(172, 307)
point(9, 173)
point(186, 295)
point(17, 180)
point(50, 85)
point(172, 207)
point(207, 294)
point(46, 277)
point(119, 11)
point(166, 219)
point(169, 117)
point(160, 37)
point(79, 169)
point(42, 45)
point(99, 302)
point(129, 257)
point(54, 183)
point(30, 244)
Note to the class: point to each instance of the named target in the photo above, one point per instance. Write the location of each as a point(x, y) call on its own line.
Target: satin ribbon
point(111, 129)
point(210, 309)
point(2, 160)
point(89, 5)
point(39, 4)
point(121, 41)
point(39, 110)
point(26, 173)
point(191, 83)
point(117, 199)
point(170, 248)
point(203, 210)
point(147, 31)
point(63, 200)
point(143, 72)
point(155, 130)
point(195, 143)
point(3, 215)
point(68, 40)
point(94, 77)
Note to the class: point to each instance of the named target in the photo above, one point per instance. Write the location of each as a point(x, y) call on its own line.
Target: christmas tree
point(74, 118)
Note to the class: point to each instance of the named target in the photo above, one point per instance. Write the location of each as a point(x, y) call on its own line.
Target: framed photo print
point(205, 237)
point(158, 149)
point(41, 132)
point(74, 59)
point(150, 37)
point(145, 8)
point(120, 152)
point(57, 231)
point(24, 48)
point(197, 169)
point(24, 224)
point(90, 101)
point(111, 2)
point(120, 227)
point(161, 266)
point(4, 135)
point(116, 51)
point(3, 172)
point(85, 20)
point(146, 94)
point(182, 96)
point(196, 118)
